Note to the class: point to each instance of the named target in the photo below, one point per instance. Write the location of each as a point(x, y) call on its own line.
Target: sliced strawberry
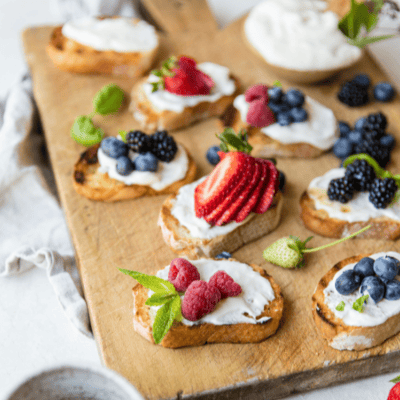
point(269, 191)
point(259, 114)
point(230, 214)
point(219, 183)
point(256, 92)
point(255, 195)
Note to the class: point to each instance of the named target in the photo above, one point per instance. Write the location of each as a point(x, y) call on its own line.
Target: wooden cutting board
point(125, 234)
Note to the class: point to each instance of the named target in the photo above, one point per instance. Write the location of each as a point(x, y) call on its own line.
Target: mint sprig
point(165, 296)
point(230, 141)
point(107, 100)
point(358, 305)
point(340, 306)
point(395, 380)
point(165, 70)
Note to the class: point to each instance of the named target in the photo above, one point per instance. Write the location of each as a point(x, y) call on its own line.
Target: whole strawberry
point(394, 393)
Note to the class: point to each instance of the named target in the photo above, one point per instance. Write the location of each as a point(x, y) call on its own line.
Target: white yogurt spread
point(119, 34)
point(357, 209)
point(319, 129)
point(374, 314)
point(299, 35)
point(166, 174)
point(183, 210)
point(256, 293)
point(164, 100)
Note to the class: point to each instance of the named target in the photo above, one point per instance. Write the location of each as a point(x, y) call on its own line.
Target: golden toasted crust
point(178, 237)
point(69, 55)
point(263, 145)
point(181, 335)
point(150, 118)
point(94, 185)
point(339, 335)
point(319, 222)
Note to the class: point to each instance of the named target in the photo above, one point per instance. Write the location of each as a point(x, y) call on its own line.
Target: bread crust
point(95, 185)
point(181, 335)
point(179, 240)
point(152, 119)
point(71, 56)
point(263, 145)
point(335, 331)
point(319, 222)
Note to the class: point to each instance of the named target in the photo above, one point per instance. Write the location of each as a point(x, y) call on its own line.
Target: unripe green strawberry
point(279, 253)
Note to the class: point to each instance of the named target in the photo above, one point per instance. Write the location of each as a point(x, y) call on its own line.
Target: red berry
point(269, 190)
point(394, 393)
point(259, 114)
point(200, 299)
point(256, 92)
point(182, 273)
point(225, 284)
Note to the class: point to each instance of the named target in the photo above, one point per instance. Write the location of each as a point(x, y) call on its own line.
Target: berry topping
point(259, 114)
point(344, 129)
point(124, 165)
point(146, 162)
point(294, 98)
point(382, 192)
point(299, 114)
point(353, 95)
point(284, 118)
point(373, 286)
point(269, 189)
point(113, 147)
point(376, 121)
point(200, 299)
point(362, 80)
point(387, 141)
point(163, 146)
point(256, 92)
point(374, 149)
point(341, 189)
point(224, 254)
point(394, 393)
point(275, 94)
point(212, 155)
point(386, 267)
point(355, 137)
point(348, 282)
point(392, 290)
point(138, 141)
point(365, 267)
point(362, 174)
point(282, 181)
point(225, 284)
point(384, 91)
point(182, 273)
point(360, 123)
point(343, 148)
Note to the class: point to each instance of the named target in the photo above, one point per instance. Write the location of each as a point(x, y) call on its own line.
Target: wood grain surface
point(125, 235)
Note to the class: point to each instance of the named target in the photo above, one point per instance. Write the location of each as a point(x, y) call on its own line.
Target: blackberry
point(353, 94)
point(382, 192)
point(341, 189)
point(138, 142)
point(374, 126)
point(373, 148)
point(163, 146)
point(362, 175)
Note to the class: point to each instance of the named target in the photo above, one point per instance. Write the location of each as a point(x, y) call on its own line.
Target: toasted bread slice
point(263, 145)
point(153, 119)
point(180, 241)
point(95, 185)
point(319, 222)
point(339, 335)
point(181, 335)
point(71, 56)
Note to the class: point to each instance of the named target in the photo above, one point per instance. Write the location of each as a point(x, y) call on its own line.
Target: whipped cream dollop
point(319, 129)
point(299, 35)
point(183, 210)
point(374, 314)
point(166, 174)
point(164, 100)
point(357, 209)
point(123, 35)
point(256, 293)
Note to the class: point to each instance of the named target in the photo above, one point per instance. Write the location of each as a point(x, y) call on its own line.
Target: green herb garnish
point(165, 296)
point(165, 70)
point(232, 142)
point(358, 305)
point(395, 380)
point(107, 100)
point(340, 306)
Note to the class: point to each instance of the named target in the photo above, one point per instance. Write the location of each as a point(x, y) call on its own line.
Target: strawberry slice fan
point(239, 185)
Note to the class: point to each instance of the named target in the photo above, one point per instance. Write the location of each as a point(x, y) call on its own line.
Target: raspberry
point(225, 284)
point(200, 299)
point(259, 114)
point(256, 92)
point(394, 393)
point(182, 273)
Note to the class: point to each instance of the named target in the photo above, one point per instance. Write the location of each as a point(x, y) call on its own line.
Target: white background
point(34, 332)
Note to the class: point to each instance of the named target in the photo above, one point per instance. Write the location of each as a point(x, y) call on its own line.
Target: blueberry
point(365, 267)
point(344, 129)
point(362, 80)
point(355, 137)
point(224, 254)
point(284, 119)
point(281, 108)
point(342, 148)
point(359, 125)
point(387, 141)
point(212, 155)
point(114, 147)
point(282, 181)
point(124, 165)
point(348, 282)
point(392, 290)
point(294, 98)
point(373, 286)
point(275, 94)
point(384, 91)
point(299, 114)
point(386, 267)
point(146, 162)
point(275, 107)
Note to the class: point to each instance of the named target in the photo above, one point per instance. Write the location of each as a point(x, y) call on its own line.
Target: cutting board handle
point(174, 16)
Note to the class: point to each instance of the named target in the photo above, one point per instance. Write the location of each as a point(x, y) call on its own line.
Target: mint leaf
point(158, 299)
point(151, 282)
point(232, 142)
point(340, 306)
point(123, 135)
point(165, 317)
point(358, 305)
point(108, 100)
point(396, 380)
point(361, 42)
point(84, 132)
point(277, 83)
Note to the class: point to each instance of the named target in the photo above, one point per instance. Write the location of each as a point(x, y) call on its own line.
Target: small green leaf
point(364, 41)
point(108, 100)
point(358, 305)
point(156, 72)
point(277, 83)
point(165, 317)
point(158, 299)
point(378, 4)
point(123, 135)
point(84, 132)
point(396, 380)
point(151, 282)
point(232, 142)
point(340, 306)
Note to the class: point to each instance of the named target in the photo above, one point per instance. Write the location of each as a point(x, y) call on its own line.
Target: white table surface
point(34, 332)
